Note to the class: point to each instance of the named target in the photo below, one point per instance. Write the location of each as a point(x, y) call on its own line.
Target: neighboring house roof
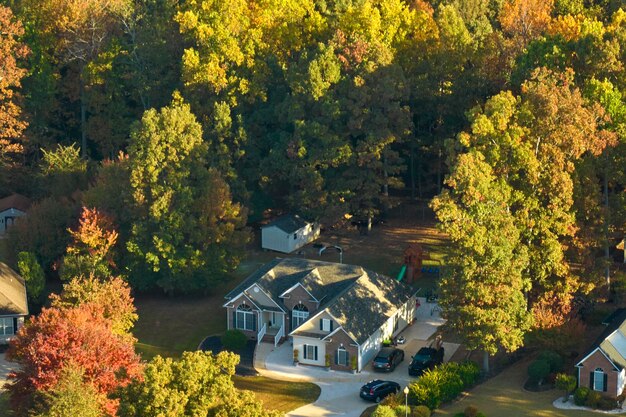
point(16, 201)
point(360, 300)
point(288, 223)
point(612, 341)
point(12, 293)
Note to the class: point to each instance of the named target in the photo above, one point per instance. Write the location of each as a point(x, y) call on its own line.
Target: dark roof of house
point(360, 300)
point(612, 323)
point(368, 304)
point(321, 279)
point(16, 201)
point(12, 293)
point(288, 223)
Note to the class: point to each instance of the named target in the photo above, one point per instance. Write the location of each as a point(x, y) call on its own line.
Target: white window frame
point(244, 314)
point(598, 373)
point(6, 323)
point(300, 315)
point(339, 353)
point(309, 352)
point(326, 325)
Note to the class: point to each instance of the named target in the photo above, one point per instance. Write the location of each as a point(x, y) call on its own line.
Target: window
point(599, 380)
point(295, 236)
point(299, 315)
point(310, 352)
point(341, 357)
point(245, 318)
point(6, 326)
point(326, 325)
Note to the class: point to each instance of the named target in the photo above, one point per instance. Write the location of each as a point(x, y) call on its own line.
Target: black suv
point(377, 390)
point(426, 358)
point(387, 359)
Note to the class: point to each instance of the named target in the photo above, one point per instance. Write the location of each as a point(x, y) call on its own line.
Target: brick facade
point(598, 360)
point(233, 307)
point(341, 339)
point(296, 296)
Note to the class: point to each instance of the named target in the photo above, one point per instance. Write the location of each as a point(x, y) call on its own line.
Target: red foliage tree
point(61, 337)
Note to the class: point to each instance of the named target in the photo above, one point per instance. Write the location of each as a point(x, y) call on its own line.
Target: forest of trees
point(156, 130)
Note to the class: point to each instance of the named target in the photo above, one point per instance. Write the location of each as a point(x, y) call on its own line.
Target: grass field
point(279, 395)
point(4, 405)
point(503, 395)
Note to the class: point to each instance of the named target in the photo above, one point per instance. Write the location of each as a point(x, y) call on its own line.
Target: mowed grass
point(277, 395)
point(503, 395)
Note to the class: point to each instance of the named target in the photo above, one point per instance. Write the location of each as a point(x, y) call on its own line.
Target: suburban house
point(333, 312)
point(603, 367)
point(13, 303)
point(12, 207)
point(288, 233)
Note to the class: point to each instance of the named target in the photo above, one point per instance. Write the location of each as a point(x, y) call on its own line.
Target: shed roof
point(12, 292)
point(16, 201)
point(288, 223)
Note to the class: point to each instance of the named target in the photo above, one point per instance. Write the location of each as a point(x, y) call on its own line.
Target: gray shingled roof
point(12, 293)
point(368, 304)
point(288, 223)
point(360, 300)
point(321, 279)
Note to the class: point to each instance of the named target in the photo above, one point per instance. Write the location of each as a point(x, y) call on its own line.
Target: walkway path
point(340, 390)
point(5, 368)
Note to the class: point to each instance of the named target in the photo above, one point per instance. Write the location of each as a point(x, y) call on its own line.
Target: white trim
point(320, 312)
point(344, 331)
point(294, 287)
point(232, 305)
point(266, 294)
point(615, 368)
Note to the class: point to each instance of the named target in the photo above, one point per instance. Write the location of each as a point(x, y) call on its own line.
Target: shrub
point(580, 395)
point(392, 401)
point(607, 403)
point(593, 399)
point(420, 411)
point(554, 359)
point(234, 340)
point(538, 370)
point(470, 411)
point(469, 372)
point(401, 410)
point(442, 384)
point(383, 411)
point(565, 383)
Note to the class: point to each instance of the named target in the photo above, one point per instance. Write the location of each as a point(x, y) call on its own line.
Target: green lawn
point(503, 396)
point(279, 395)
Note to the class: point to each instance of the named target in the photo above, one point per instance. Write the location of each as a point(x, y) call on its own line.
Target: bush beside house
point(442, 384)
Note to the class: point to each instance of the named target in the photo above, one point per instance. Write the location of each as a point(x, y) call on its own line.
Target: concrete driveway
point(340, 390)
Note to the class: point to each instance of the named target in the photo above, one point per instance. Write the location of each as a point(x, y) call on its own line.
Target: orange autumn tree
point(90, 252)
point(12, 123)
point(70, 337)
point(524, 20)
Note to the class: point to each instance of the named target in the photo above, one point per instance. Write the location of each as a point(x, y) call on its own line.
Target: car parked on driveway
point(387, 359)
point(425, 358)
point(378, 389)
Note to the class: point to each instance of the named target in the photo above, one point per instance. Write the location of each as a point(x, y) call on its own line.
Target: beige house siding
point(313, 325)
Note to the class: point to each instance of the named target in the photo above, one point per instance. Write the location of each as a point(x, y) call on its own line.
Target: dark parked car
point(426, 358)
point(377, 390)
point(387, 359)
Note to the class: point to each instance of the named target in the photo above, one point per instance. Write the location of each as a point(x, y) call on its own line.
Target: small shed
point(12, 207)
point(13, 303)
point(288, 233)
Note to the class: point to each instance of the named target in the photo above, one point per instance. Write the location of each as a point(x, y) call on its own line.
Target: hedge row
point(443, 384)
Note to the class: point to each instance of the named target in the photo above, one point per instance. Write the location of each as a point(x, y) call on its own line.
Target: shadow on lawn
point(246, 363)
